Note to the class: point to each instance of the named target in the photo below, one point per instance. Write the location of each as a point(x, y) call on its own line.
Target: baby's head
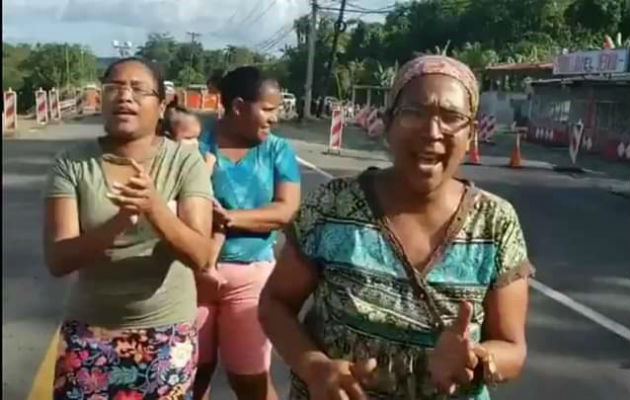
point(181, 125)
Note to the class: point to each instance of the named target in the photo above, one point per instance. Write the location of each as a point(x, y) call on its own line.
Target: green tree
point(13, 71)
point(597, 16)
point(27, 68)
point(214, 60)
point(188, 58)
point(624, 24)
point(240, 56)
point(189, 76)
point(159, 48)
point(475, 56)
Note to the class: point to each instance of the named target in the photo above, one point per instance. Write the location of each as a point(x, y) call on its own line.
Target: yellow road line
point(42, 386)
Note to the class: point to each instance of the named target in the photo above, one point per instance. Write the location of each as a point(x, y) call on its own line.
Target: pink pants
point(230, 325)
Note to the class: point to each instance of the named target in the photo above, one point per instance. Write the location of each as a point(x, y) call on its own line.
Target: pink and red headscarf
point(437, 65)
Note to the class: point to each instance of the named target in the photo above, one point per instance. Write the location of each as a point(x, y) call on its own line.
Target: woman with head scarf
point(418, 277)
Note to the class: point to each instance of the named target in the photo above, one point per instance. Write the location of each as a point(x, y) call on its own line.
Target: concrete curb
point(620, 193)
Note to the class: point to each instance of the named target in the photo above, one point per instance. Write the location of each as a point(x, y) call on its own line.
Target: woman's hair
point(169, 114)
point(158, 77)
point(243, 82)
point(215, 78)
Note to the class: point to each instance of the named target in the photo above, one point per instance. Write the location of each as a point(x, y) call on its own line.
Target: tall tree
point(13, 71)
point(598, 16)
point(159, 48)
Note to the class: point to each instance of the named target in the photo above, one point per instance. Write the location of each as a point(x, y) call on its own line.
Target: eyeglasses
point(138, 91)
point(418, 117)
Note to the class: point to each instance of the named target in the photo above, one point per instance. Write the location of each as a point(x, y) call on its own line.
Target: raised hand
point(453, 360)
point(340, 379)
point(138, 196)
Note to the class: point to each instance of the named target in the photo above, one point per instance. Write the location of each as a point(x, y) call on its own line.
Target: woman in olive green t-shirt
point(130, 212)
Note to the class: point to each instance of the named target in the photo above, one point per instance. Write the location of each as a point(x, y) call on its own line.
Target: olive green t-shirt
point(138, 282)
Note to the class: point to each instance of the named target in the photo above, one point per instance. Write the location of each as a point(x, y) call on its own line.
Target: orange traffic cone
point(515, 160)
point(473, 153)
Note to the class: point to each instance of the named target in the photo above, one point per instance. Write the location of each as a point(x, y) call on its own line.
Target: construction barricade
point(336, 131)
point(54, 106)
point(41, 106)
point(9, 114)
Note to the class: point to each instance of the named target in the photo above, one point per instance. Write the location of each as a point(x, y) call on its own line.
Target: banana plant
point(385, 76)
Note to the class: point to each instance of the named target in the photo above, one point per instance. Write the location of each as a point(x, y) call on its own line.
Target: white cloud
point(98, 22)
point(221, 22)
point(19, 11)
point(205, 16)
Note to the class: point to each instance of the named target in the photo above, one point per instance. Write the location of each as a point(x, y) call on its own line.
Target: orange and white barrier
point(576, 139)
point(91, 101)
point(487, 127)
point(375, 125)
point(209, 101)
point(482, 121)
point(9, 115)
point(41, 106)
point(473, 151)
point(193, 99)
point(336, 130)
point(371, 117)
point(67, 106)
point(55, 109)
point(362, 117)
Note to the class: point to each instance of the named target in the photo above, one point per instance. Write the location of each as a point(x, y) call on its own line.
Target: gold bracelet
point(491, 376)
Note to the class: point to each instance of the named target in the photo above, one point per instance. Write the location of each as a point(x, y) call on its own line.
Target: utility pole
point(193, 36)
point(81, 67)
point(67, 66)
point(333, 53)
point(308, 87)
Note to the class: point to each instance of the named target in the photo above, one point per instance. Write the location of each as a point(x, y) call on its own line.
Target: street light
point(124, 48)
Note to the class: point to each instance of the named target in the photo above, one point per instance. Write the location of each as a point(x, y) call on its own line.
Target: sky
point(97, 23)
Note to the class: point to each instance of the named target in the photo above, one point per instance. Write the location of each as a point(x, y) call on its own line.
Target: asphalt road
point(577, 235)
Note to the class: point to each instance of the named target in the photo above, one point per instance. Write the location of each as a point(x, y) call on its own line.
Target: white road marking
point(314, 168)
point(561, 298)
point(581, 309)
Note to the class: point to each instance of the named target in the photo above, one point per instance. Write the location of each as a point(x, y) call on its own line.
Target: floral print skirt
point(128, 364)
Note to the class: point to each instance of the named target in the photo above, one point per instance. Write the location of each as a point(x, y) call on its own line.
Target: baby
point(183, 126)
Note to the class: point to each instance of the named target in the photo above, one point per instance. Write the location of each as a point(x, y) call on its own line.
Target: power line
point(272, 45)
point(279, 34)
point(263, 43)
point(348, 10)
point(264, 12)
point(249, 15)
point(229, 21)
point(358, 7)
